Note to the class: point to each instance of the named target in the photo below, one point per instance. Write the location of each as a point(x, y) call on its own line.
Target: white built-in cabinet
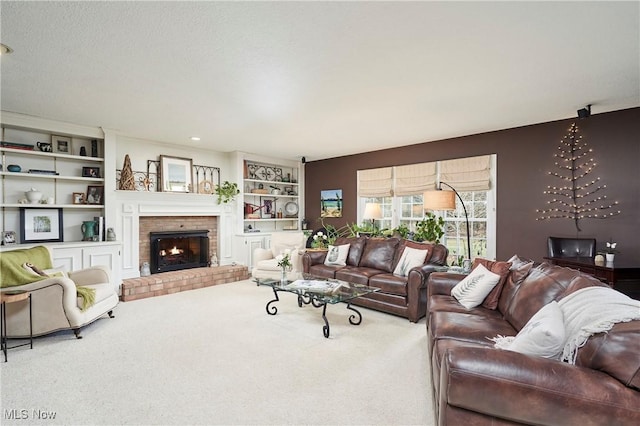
point(271, 200)
point(61, 174)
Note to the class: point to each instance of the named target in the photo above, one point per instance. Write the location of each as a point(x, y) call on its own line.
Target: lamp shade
point(372, 211)
point(439, 200)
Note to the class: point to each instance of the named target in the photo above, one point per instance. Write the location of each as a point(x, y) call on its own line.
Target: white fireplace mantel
point(131, 205)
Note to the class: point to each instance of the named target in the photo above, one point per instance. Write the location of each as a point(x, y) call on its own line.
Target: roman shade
point(375, 182)
point(414, 179)
point(467, 174)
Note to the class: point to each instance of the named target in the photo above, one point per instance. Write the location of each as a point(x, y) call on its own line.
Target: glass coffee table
point(318, 292)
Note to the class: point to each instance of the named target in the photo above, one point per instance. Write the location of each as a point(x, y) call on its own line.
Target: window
point(480, 205)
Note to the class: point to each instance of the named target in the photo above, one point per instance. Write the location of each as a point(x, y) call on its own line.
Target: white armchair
point(265, 261)
point(55, 301)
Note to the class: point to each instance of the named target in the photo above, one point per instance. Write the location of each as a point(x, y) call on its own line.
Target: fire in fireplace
point(175, 250)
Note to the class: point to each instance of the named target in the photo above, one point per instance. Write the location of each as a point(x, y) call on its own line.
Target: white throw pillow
point(410, 258)
point(337, 255)
point(543, 335)
point(472, 290)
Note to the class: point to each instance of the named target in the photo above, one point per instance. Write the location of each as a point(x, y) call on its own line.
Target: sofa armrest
point(442, 283)
point(310, 258)
point(417, 290)
point(531, 390)
point(89, 276)
point(68, 286)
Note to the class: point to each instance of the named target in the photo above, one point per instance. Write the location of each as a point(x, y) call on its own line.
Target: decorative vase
point(283, 276)
point(111, 234)
point(610, 257)
point(88, 227)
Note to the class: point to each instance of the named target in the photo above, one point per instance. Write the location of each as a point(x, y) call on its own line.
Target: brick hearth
point(175, 281)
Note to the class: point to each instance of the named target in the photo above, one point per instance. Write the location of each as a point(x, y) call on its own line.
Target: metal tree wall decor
point(579, 196)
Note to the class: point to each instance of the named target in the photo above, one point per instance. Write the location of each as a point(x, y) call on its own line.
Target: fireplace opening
point(175, 250)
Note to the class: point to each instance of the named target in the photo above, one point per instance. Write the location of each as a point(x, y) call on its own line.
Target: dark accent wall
point(524, 156)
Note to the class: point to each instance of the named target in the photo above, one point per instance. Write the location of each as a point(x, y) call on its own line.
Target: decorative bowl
point(34, 196)
point(14, 168)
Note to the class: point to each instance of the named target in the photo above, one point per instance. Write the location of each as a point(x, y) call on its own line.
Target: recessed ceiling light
point(195, 138)
point(4, 49)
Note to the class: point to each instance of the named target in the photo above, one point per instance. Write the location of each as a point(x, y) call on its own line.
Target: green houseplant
point(227, 191)
point(431, 228)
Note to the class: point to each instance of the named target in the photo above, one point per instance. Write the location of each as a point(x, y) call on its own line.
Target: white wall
point(141, 150)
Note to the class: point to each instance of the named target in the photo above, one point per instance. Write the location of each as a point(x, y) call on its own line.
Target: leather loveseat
point(475, 383)
point(372, 261)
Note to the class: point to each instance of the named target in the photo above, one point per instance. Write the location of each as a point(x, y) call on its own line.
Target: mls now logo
point(25, 414)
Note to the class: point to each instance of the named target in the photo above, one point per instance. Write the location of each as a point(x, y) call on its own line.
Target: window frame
point(394, 206)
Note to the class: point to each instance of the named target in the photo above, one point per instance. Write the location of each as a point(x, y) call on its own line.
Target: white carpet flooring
point(214, 356)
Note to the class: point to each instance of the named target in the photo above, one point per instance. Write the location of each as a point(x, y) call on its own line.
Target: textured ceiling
point(317, 79)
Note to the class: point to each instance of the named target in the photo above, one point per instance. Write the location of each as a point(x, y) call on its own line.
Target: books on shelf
point(16, 145)
point(43, 172)
point(316, 286)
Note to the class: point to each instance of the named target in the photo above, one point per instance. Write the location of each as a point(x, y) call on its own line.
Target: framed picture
point(175, 174)
point(8, 237)
point(267, 211)
point(95, 194)
point(40, 225)
point(61, 144)
point(78, 198)
point(93, 172)
point(331, 203)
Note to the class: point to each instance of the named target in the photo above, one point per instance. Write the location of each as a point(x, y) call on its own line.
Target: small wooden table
point(13, 296)
point(609, 272)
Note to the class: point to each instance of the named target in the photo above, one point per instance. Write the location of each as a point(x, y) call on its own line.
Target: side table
point(12, 297)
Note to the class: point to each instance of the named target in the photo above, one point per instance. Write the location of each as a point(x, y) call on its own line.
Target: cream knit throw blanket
point(593, 310)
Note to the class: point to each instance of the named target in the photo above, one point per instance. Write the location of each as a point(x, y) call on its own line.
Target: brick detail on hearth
point(176, 281)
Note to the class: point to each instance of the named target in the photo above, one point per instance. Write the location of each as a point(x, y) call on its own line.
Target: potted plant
point(286, 265)
point(227, 191)
point(429, 229)
point(610, 250)
point(401, 231)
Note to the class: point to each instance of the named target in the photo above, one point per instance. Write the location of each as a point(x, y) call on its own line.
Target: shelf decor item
point(33, 195)
point(61, 144)
point(78, 198)
point(127, 182)
point(175, 174)
point(95, 194)
point(39, 225)
point(8, 237)
point(93, 172)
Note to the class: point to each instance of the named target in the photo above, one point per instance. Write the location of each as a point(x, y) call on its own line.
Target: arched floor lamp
point(439, 199)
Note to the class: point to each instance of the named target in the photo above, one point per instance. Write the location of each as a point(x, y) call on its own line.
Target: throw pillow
point(500, 268)
point(410, 259)
point(471, 291)
point(543, 335)
point(337, 255)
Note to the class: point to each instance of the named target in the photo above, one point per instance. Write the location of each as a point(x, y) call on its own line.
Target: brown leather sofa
point(477, 384)
point(371, 261)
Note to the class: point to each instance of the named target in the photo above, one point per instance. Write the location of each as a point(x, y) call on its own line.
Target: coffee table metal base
point(309, 299)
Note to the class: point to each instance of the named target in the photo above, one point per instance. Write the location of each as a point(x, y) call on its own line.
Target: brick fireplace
point(148, 224)
point(187, 279)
